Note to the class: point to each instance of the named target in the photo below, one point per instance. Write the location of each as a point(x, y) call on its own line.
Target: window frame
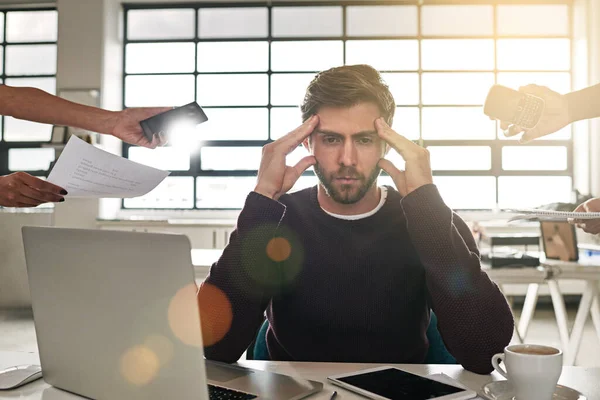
point(496, 144)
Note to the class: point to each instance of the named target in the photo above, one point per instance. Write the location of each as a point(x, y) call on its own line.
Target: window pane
point(533, 191)
point(284, 120)
point(1, 27)
point(307, 21)
point(457, 54)
point(30, 159)
point(534, 54)
point(456, 123)
point(233, 56)
point(18, 130)
point(223, 192)
point(289, 89)
point(406, 122)
point(159, 57)
point(173, 192)
point(399, 55)
point(467, 192)
point(547, 19)
point(157, 90)
point(230, 158)
point(455, 20)
point(546, 158)
point(460, 158)
point(233, 22)
point(295, 156)
point(167, 158)
point(456, 88)
point(557, 81)
point(404, 87)
point(306, 56)
point(31, 60)
point(233, 89)
point(31, 26)
point(1, 58)
point(381, 20)
point(45, 84)
point(235, 124)
point(160, 24)
point(396, 159)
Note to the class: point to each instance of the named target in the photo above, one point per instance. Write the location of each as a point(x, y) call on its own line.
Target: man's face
point(347, 149)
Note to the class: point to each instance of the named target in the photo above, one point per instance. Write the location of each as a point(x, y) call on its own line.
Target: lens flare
point(162, 347)
point(139, 365)
point(183, 316)
point(279, 249)
point(216, 312)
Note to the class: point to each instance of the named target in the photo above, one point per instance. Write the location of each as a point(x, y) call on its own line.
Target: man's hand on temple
point(555, 115)
point(275, 178)
point(23, 190)
point(417, 171)
point(589, 225)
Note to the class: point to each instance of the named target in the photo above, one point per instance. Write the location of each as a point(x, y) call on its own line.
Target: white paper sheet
point(87, 171)
point(550, 215)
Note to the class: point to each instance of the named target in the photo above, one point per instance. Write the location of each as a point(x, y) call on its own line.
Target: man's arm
point(36, 105)
point(236, 293)
point(584, 104)
point(474, 318)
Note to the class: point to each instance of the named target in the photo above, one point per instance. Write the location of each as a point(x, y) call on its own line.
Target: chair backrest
point(437, 353)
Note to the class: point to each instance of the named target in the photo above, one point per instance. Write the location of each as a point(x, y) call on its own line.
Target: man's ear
point(386, 150)
point(306, 144)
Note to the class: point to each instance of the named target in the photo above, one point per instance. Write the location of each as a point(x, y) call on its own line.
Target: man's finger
point(580, 208)
point(297, 136)
point(513, 130)
point(41, 185)
point(529, 135)
point(304, 164)
point(504, 125)
point(401, 144)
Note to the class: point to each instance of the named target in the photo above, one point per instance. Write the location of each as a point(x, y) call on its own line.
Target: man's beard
point(346, 193)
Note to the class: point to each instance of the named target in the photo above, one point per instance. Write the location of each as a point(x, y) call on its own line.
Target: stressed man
point(348, 271)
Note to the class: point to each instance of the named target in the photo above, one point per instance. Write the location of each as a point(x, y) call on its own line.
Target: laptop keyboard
point(219, 393)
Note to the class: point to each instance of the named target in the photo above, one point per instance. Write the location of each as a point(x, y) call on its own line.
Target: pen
point(333, 395)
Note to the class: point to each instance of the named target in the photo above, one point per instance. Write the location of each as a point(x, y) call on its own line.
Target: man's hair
point(348, 86)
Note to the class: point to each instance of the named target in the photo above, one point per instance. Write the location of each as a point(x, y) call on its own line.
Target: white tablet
point(388, 383)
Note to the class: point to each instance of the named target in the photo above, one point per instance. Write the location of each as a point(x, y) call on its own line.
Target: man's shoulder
point(298, 199)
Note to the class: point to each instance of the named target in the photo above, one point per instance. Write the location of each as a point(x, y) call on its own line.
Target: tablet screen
point(399, 385)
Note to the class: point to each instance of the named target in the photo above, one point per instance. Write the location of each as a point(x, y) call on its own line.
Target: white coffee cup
point(532, 370)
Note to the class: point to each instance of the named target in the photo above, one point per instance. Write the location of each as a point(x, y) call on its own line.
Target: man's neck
point(364, 205)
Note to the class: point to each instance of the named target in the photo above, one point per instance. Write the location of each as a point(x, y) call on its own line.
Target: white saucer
point(501, 390)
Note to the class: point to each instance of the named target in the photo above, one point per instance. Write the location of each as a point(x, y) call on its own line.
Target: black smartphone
point(190, 114)
point(514, 107)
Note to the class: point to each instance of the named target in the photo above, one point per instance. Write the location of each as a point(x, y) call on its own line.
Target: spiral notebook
point(551, 215)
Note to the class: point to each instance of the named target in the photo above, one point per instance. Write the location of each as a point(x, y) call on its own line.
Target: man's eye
point(331, 139)
point(365, 140)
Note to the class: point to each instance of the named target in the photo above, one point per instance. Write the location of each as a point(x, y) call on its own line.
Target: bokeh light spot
point(279, 249)
point(161, 346)
point(139, 365)
point(216, 313)
point(184, 319)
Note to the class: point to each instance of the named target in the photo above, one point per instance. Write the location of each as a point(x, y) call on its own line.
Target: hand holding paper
point(87, 171)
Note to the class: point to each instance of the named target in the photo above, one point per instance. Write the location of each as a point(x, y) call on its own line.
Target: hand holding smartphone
point(164, 123)
point(516, 108)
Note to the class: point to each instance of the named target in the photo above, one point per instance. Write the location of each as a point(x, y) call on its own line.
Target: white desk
point(583, 379)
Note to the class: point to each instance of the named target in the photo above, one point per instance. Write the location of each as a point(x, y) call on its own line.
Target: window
point(248, 66)
point(27, 58)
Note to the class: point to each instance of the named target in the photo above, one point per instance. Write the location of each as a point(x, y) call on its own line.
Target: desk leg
point(560, 312)
point(582, 313)
point(531, 299)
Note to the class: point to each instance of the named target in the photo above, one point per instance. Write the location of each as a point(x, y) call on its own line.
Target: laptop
point(116, 317)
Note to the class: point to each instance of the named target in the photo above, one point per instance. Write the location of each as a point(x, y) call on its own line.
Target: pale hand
point(555, 115)
point(23, 190)
point(127, 126)
point(274, 177)
point(417, 171)
point(589, 225)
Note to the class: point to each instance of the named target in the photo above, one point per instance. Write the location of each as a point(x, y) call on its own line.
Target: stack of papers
point(87, 171)
point(550, 215)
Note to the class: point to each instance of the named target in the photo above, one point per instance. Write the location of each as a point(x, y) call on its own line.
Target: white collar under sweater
point(384, 193)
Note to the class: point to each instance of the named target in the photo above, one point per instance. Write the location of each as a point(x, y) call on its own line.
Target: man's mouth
point(346, 179)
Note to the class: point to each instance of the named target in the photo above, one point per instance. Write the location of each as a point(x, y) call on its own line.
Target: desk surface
point(583, 379)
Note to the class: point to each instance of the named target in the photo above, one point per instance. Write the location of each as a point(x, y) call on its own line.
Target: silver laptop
point(116, 317)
